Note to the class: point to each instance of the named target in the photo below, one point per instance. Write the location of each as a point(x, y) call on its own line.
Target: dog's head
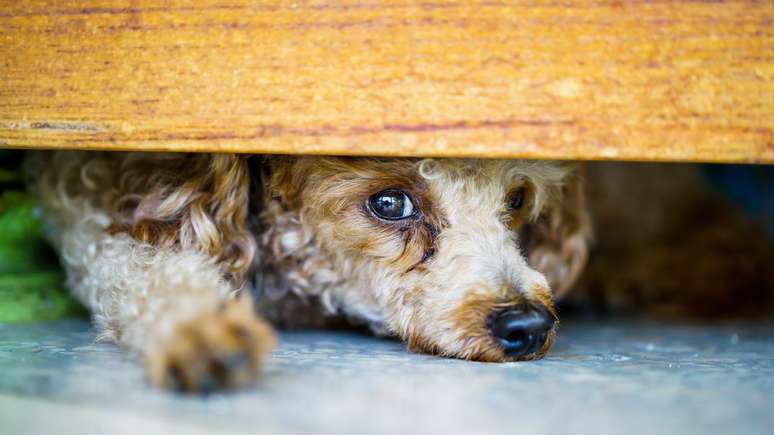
point(460, 258)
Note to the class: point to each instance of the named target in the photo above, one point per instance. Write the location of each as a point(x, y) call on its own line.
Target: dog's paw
point(216, 351)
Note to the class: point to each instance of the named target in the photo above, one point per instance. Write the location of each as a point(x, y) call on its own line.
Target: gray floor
point(602, 377)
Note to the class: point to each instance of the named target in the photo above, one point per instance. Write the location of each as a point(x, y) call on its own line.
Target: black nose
point(521, 331)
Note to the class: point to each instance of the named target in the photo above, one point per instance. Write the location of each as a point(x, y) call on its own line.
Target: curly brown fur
point(167, 249)
point(156, 245)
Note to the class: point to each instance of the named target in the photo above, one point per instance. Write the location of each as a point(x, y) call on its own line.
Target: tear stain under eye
point(432, 232)
point(429, 251)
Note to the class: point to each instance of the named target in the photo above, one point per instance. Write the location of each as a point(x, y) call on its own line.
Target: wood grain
point(570, 79)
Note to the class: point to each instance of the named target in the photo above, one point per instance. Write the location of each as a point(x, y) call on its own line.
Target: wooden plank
point(572, 79)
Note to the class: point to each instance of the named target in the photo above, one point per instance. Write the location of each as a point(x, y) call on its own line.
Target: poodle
point(186, 259)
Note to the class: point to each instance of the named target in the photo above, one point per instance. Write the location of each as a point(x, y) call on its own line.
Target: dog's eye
point(517, 199)
point(391, 204)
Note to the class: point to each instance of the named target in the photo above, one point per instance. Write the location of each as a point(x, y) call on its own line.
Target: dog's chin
point(478, 347)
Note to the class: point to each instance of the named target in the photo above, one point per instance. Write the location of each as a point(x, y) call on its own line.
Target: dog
point(185, 259)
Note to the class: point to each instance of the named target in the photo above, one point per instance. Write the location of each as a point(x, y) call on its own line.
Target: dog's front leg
point(175, 309)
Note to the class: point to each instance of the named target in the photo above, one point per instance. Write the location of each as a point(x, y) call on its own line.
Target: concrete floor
point(602, 377)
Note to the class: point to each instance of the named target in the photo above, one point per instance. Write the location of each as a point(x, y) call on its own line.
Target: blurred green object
point(31, 282)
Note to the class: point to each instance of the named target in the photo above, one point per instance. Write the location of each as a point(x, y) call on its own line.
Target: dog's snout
point(521, 331)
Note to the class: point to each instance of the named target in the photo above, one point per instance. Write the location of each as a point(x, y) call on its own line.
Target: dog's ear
point(190, 201)
point(556, 244)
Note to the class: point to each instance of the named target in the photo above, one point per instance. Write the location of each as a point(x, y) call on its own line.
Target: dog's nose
point(521, 331)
